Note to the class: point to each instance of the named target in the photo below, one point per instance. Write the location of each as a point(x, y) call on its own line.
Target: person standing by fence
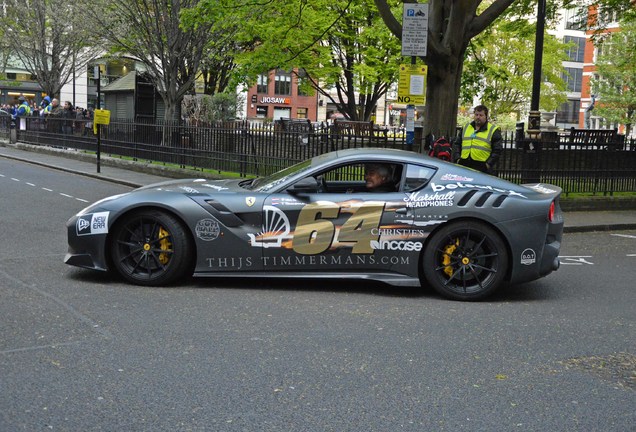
point(480, 145)
point(23, 109)
point(69, 116)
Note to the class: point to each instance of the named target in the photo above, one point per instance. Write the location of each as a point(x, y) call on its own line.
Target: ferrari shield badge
point(250, 201)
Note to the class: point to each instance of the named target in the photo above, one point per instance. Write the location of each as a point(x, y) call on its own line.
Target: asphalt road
point(80, 351)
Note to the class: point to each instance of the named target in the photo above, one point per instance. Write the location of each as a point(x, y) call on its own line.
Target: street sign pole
point(410, 119)
point(97, 126)
point(414, 44)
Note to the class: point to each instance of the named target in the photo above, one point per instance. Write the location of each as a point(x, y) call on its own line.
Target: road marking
point(576, 259)
point(625, 235)
point(47, 189)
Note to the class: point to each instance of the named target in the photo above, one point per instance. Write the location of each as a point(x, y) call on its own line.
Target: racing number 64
point(315, 233)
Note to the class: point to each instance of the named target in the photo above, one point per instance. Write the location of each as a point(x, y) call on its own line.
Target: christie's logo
point(275, 100)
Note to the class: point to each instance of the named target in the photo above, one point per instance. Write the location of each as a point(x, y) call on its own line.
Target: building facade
point(280, 94)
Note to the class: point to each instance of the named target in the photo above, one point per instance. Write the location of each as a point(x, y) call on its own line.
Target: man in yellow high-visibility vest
point(480, 144)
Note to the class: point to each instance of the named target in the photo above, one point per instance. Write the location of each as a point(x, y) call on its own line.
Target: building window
point(576, 49)
point(606, 16)
point(576, 18)
point(11, 75)
point(568, 112)
point(301, 113)
point(261, 112)
point(606, 45)
point(261, 86)
point(282, 83)
point(573, 79)
point(304, 84)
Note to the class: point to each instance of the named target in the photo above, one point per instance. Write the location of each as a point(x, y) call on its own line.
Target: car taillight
point(551, 212)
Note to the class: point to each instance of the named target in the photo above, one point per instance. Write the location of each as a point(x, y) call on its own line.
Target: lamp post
point(534, 117)
point(531, 161)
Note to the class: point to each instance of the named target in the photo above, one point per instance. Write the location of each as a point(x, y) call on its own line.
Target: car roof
point(379, 153)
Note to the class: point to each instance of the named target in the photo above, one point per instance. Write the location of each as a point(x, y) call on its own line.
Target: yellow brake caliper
point(446, 258)
point(164, 244)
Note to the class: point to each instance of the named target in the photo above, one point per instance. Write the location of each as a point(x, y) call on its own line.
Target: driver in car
point(378, 178)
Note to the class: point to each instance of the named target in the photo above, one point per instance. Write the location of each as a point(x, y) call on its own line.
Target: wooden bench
point(294, 125)
point(363, 130)
point(601, 138)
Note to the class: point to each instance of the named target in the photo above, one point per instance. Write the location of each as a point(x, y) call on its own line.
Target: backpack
point(441, 149)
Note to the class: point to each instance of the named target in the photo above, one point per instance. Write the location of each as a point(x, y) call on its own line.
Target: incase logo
point(396, 245)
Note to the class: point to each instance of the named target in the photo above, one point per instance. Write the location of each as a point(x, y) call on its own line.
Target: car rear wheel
point(465, 261)
point(151, 247)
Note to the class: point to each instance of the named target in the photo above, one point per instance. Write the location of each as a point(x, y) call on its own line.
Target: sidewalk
point(136, 174)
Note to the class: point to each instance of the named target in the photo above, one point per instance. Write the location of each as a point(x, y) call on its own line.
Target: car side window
point(353, 178)
point(416, 177)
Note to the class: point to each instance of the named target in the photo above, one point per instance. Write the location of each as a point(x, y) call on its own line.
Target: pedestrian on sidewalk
point(480, 145)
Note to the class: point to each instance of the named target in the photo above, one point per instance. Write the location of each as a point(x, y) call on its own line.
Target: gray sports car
point(431, 223)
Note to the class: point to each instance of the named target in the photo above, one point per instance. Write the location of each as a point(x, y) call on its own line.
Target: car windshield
point(264, 184)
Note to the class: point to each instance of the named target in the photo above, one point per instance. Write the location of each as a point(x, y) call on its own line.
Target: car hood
point(196, 186)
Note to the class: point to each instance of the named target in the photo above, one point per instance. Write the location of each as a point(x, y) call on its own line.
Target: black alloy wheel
point(151, 248)
point(465, 261)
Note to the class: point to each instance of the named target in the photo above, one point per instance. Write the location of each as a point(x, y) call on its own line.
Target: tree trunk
point(443, 82)
point(451, 26)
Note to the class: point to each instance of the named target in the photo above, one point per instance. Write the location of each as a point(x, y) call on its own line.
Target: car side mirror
point(305, 185)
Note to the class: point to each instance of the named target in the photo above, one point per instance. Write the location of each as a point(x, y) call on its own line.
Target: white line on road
point(624, 235)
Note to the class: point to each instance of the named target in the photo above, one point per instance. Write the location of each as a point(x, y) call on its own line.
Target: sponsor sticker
point(207, 229)
point(541, 189)
point(92, 224)
point(418, 200)
point(528, 257)
point(395, 245)
point(189, 189)
point(215, 187)
point(250, 201)
point(460, 185)
point(455, 177)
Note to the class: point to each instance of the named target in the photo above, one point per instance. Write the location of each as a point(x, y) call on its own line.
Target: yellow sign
point(412, 84)
point(100, 116)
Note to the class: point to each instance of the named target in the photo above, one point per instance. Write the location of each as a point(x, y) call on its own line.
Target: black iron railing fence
point(575, 165)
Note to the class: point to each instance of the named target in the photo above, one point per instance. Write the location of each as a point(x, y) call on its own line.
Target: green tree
point(151, 31)
point(336, 44)
point(452, 26)
point(615, 81)
point(51, 38)
point(499, 69)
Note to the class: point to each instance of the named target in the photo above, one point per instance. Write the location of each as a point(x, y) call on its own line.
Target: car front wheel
point(150, 248)
point(465, 261)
